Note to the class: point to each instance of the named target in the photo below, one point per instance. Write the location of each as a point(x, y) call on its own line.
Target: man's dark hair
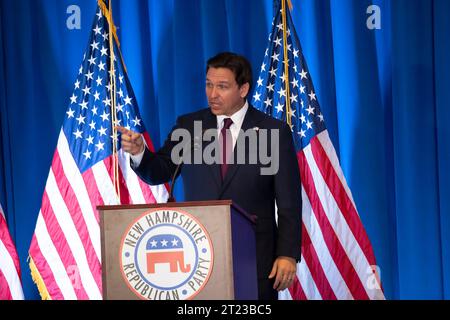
point(240, 66)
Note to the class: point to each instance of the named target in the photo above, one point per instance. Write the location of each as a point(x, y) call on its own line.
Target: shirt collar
point(237, 117)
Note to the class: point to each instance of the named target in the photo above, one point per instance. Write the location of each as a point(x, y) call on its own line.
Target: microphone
point(194, 145)
point(172, 183)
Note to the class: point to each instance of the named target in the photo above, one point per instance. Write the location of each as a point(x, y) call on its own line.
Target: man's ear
point(244, 89)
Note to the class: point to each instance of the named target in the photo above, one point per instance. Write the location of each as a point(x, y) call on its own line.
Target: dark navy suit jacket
point(243, 184)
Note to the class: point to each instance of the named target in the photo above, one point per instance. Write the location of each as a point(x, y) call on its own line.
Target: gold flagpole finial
point(108, 16)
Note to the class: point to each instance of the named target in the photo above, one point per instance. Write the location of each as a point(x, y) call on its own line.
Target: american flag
point(337, 258)
point(65, 256)
point(10, 284)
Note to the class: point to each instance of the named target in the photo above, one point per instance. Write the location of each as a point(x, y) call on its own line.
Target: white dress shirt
point(237, 118)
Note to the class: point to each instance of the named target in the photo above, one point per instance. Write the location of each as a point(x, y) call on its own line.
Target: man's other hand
point(284, 270)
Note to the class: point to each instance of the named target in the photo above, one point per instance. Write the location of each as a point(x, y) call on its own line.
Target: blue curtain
point(384, 93)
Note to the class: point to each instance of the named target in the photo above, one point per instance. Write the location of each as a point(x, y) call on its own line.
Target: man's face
point(223, 93)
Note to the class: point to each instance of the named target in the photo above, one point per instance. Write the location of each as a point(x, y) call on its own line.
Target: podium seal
point(166, 254)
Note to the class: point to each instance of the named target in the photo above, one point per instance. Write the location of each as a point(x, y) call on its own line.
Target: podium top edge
point(167, 205)
point(252, 218)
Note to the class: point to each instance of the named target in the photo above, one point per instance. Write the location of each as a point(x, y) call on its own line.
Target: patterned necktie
point(227, 145)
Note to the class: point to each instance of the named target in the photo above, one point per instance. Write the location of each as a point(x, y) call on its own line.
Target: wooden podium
point(186, 250)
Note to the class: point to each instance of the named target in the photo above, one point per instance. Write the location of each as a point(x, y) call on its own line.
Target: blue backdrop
point(385, 94)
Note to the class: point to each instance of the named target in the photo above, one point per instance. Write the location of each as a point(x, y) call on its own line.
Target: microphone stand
point(177, 169)
point(172, 183)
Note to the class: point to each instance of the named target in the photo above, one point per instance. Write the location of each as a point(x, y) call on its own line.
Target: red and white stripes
point(337, 257)
point(66, 245)
point(10, 284)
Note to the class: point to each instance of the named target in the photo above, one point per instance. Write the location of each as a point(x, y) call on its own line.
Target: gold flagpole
point(112, 83)
point(286, 62)
point(112, 33)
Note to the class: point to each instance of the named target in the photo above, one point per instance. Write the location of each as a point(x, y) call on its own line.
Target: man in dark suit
point(228, 82)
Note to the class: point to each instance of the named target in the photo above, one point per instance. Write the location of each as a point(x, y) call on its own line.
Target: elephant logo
point(166, 249)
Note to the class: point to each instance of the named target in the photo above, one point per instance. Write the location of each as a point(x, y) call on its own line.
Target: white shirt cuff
point(137, 158)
